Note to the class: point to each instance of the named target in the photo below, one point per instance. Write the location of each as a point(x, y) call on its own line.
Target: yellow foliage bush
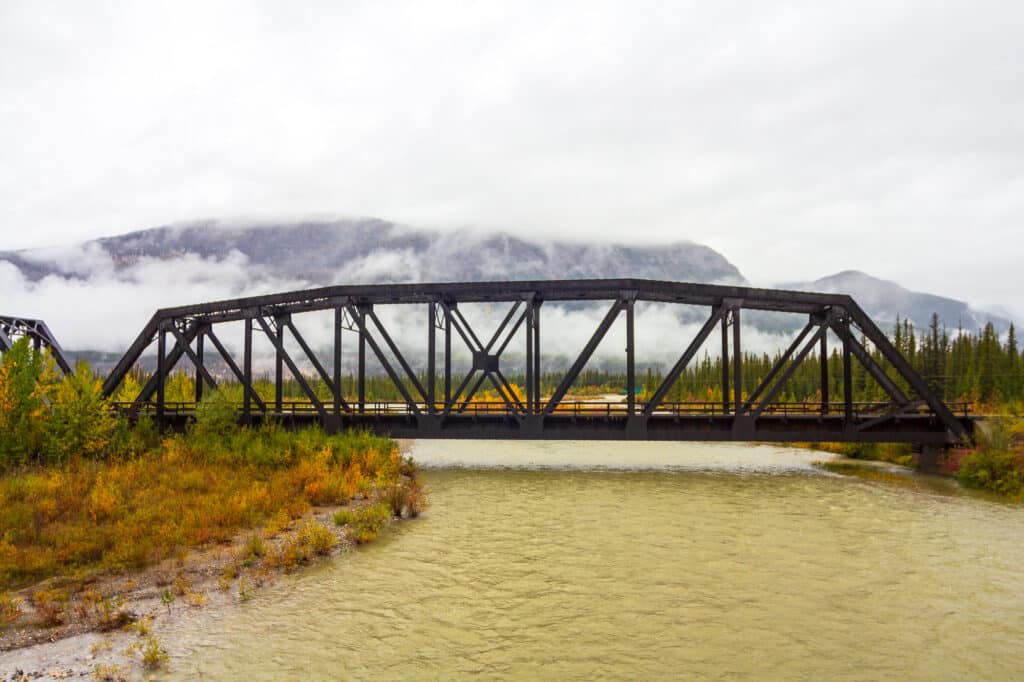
point(98, 515)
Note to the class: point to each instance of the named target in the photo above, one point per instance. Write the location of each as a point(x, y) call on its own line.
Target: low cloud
point(101, 308)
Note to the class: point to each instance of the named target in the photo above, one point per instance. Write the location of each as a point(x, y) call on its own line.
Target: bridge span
point(437, 402)
point(12, 328)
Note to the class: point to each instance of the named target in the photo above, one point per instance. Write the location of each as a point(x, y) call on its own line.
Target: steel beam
point(584, 356)
point(777, 387)
point(339, 399)
point(659, 394)
point(38, 333)
point(739, 416)
point(250, 393)
point(779, 364)
point(737, 360)
point(365, 336)
point(276, 337)
point(630, 357)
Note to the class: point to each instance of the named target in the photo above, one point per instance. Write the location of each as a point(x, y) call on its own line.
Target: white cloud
point(106, 309)
point(799, 139)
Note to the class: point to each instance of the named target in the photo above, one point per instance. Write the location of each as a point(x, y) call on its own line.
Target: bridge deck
point(594, 420)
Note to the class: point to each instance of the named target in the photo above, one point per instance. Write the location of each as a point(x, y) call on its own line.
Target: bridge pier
point(930, 458)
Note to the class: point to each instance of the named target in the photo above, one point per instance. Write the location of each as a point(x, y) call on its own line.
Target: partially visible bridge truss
point(430, 410)
point(12, 328)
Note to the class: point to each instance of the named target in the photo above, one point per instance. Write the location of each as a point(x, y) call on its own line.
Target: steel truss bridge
point(12, 328)
point(440, 403)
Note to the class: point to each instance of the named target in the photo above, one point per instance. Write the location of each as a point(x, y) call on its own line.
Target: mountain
point(375, 251)
point(72, 287)
point(885, 300)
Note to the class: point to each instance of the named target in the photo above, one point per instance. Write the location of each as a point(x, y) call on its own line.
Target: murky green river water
point(645, 561)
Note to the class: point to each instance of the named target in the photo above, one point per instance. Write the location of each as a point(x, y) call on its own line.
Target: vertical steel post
point(362, 360)
point(161, 370)
point(199, 356)
point(823, 353)
point(447, 357)
point(737, 361)
point(725, 362)
point(529, 357)
point(630, 359)
point(537, 357)
point(431, 353)
point(279, 367)
point(337, 360)
point(247, 371)
point(847, 378)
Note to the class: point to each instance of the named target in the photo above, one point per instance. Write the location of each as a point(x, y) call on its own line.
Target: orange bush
point(91, 516)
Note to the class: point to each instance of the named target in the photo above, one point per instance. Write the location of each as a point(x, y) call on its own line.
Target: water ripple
point(701, 564)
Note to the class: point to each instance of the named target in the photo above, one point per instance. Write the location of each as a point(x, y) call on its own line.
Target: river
point(644, 561)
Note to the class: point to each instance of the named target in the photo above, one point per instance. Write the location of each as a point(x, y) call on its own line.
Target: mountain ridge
point(243, 258)
point(886, 301)
point(370, 250)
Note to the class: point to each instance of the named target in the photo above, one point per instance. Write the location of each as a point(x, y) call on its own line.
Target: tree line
point(959, 366)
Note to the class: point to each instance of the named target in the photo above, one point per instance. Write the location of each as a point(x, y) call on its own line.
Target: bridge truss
point(12, 328)
point(438, 402)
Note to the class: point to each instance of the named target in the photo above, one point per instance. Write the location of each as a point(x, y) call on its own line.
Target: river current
point(644, 561)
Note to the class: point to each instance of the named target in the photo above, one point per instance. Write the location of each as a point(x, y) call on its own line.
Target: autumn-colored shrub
point(130, 512)
point(153, 653)
point(997, 463)
point(10, 609)
point(80, 422)
point(364, 523)
point(83, 490)
point(51, 606)
point(26, 376)
point(312, 539)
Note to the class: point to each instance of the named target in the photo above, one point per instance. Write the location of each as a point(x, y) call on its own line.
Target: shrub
point(995, 465)
point(111, 614)
point(317, 537)
point(216, 421)
point(365, 522)
point(10, 609)
point(312, 539)
point(227, 577)
point(26, 376)
point(196, 599)
point(153, 653)
point(51, 605)
point(246, 589)
point(998, 471)
point(406, 498)
point(80, 423)
point(159, 501)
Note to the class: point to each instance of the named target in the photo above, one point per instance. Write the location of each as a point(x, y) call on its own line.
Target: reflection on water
point(584, 560)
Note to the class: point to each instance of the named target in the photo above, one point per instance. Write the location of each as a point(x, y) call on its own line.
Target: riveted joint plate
point(485, 361)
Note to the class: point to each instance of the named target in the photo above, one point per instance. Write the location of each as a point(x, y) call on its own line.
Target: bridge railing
point(575, 408)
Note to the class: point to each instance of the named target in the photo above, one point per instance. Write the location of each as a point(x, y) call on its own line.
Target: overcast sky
point(798, 139)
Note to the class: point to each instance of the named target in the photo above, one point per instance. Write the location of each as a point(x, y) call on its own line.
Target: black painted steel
point(421, 413)
point(12, 328)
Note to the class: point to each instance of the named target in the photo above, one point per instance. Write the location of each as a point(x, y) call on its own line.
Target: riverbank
point(97, 556)
point(118, 637)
